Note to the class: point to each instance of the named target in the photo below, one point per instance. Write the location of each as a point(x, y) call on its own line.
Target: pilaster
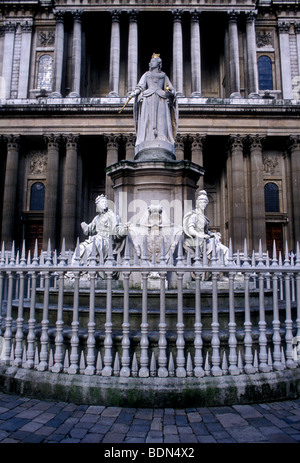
point(114, 65)
point(234, 65)
point(294, 148)
point(10, 189)
point(285, 59)
point(51, 193)
point(177, 52)
point(70, 191)
point(76, 54)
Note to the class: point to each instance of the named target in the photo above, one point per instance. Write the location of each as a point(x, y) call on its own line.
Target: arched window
point(37, 196)
point(44, 78)
point(271, 197)
point(265, 76)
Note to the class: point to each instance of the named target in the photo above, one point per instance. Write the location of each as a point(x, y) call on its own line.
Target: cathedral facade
point(67, 68)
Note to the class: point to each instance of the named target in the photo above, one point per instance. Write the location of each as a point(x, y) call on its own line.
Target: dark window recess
point(37, 197)
point(265, 76)
point(271, 197)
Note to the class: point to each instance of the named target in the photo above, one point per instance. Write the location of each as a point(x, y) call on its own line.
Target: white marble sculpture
point(104, 227)
point(155, 109)
point(196, 229)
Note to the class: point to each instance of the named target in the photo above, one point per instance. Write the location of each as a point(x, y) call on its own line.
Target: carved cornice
point(53, 140)
point(13, 142)
point(255, 142)
point(236, 142)
point(294, 143)
point(284, 27)
point(72, 141)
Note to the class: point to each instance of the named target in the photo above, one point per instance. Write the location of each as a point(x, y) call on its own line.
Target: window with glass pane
point(265, 76)
point(44, 80)
point(271, 197)
point(37, 197)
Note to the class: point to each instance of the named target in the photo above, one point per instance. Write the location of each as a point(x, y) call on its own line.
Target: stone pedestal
point(139, 184)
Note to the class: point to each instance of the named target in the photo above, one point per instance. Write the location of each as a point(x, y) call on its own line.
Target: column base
point(196, 95)
point(113, 94)
point(235, 95)
point(73, 95)
point(55, 95)
point(254, 95)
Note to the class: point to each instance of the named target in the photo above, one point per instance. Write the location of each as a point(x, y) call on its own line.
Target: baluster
point(215, 340)
point(125, 359)
point(91, 342)
point(43, 365)
point(248, 356)
point(8, 318)
point(262, 339)
point(32, 322)
point(290, 363)
point(108, 343)
point(298, 303)
point(198, 343)
point(180, 342)
point(74, 355)
point(2, 263)
point(232, 341)
point(144, 342)
point(20, 320)
point(58, 354)
point(277, 365)
point(162, 342)
point(59, 340)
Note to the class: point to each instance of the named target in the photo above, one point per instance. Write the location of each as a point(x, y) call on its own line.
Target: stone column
point(236, 193)
point(177, 52)
point(26, 28)
point(58, 54)
point(8, 54)
point(10, 189)
point(76, 55)
point(297, 30)
point(51, 193)
point(129, 149)
point(179, 145)
point(69, 199)
point(295, 175)
point(112, 145)
point(132, 51)
point(197, 155)
point(285, 59)
point(234, 65)
point(114, 65)
point(257, 191)
point(195, 54)
point(251, 56)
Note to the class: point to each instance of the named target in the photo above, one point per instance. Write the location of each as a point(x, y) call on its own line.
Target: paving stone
point(113, 437)
point(95, 409)
point(229, 419)
point(249, 434)
point(247, 411)
point(170, 429)
point(194, 417)
point(171, 439)
point(156, 424)
point(111, 411)
point(92, 438)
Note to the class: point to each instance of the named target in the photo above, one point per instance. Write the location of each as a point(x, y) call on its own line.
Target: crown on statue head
point(100, 197)
point(155, 55)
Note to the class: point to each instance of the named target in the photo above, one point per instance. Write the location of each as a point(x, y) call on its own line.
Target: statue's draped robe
point(155, 112)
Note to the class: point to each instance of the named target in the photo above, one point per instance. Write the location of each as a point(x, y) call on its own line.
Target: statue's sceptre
point(131, 96)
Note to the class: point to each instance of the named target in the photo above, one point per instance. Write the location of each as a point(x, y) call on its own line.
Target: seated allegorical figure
point(195, 228)
point(104, 226)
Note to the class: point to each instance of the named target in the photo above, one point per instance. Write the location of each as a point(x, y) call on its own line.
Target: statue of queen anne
point(155, 113)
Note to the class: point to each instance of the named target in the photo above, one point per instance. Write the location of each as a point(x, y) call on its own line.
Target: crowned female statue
point(155, 114)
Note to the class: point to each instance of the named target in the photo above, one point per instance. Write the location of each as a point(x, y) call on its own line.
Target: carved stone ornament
point(271, 165)
point(38, 162)
point(46, 38)
point(264, 39)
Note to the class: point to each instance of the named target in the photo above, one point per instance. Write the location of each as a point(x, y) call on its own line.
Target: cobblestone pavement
point(39, 421)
